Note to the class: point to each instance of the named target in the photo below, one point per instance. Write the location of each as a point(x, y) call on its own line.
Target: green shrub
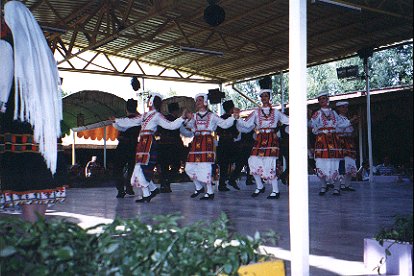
point(125, 247)
point(400, 232)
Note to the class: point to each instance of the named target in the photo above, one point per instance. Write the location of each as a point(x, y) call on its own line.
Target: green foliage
point(388, 68)
point(400, 231)
point(125, 247)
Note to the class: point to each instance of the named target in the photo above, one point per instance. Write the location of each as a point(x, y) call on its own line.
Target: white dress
point(202, 153)
point(265, 152)
point(149, 122)
point(328, 149)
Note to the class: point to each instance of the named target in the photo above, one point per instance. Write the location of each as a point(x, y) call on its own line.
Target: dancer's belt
point(327, 130)
point(146, 132)
point(265, 130)
point(204, 132)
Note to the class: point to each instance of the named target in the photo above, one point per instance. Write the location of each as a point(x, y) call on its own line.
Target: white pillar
point(73, 148)
point(371, 162)
point(298, 161)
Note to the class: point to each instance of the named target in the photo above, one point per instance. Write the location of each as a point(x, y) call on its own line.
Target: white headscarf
point(6, 75)
point(205, 97)
point(37, 83)
point(261, 91)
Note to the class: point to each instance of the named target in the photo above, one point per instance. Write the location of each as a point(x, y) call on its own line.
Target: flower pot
point(398, 263)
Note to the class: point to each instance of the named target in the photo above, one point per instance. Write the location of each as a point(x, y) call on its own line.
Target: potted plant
point(391, 251)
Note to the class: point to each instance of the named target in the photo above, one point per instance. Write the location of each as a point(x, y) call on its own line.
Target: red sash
point(328, 145)
point(142, 155)
point(266, 145)
point(202, 149)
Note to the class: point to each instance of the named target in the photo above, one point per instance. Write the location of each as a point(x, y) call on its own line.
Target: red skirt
point(328, 145)
point(266, 145)
point(349, 146)
point(142, 155)
point(202, 149)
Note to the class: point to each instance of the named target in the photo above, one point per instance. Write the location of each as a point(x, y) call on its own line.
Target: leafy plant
point(126, 247)
point(400, 232)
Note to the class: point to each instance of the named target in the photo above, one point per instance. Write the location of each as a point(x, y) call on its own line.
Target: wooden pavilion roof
point(254, 37)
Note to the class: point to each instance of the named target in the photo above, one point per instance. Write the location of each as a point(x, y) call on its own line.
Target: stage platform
point(338, 224)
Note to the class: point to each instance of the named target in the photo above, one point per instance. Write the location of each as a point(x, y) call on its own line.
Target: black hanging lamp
point(214, 15)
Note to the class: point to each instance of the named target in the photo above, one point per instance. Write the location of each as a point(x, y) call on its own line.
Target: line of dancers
point(333, 147)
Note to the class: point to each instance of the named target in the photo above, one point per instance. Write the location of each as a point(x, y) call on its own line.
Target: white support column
point(371, 162)
point(298, 161)
point(73, 148)
point(104, 137)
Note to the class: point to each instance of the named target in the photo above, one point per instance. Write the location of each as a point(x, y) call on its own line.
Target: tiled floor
point(338, 225)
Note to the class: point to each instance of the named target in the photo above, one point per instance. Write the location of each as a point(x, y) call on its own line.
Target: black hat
point(136, 85)
point(266, 83)
point(131, 105)
point(173, 107)
point(227, 105)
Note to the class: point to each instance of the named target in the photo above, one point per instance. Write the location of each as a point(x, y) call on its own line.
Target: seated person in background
point(385, 168)
point(90, 166)
point(363, 172)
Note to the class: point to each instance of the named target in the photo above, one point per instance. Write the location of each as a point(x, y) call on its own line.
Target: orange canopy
point(98, 133)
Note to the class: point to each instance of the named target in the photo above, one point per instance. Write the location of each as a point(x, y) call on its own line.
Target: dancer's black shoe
point(258, 191)
point(273, 195)
point(120, 195)
point(207, 196)
point(143, 199)
point(223, 188)
point(234, 184)
point(154, 192)
point(197, 192)
point(130, 191)
point(336, 192)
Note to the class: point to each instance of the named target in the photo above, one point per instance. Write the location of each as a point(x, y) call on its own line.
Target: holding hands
point(187, 114)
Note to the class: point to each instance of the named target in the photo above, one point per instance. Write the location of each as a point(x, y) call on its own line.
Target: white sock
point(152, 186)
point(347, 180)
point(198, 185)
point(209, 188)
point(145, 191)
point(259, 183)
point(323, 182)
point(275, 186)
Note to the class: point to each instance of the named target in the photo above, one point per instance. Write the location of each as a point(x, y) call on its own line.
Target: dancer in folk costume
point(328, 145)
point(265, 152)
point(31, 171)
point(146, 151)
point(348, 143)
point(202, 152)
point(125, 151)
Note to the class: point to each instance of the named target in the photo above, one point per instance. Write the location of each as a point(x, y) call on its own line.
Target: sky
point(121, 86)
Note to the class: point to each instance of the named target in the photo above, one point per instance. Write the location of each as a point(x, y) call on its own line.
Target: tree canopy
point(387, 68)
